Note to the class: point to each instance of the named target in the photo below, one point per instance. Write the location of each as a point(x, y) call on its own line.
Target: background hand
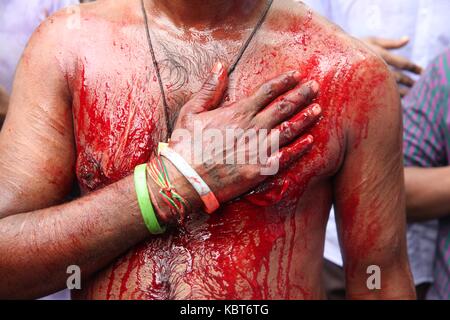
point(398, 63)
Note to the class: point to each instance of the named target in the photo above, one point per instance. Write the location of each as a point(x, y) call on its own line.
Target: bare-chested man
point(87, 108)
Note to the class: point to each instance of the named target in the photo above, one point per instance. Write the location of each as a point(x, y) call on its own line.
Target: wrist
point(206, 195)
point(162, 211)
point(183, 186)
point(165, 213)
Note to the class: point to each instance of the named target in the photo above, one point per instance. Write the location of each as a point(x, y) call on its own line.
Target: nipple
point(270, 193)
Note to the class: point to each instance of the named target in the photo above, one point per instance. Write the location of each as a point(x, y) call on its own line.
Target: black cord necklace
point(230, 70)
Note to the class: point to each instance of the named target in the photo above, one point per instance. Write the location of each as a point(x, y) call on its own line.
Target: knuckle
point(411, 66)
point(237, 116)
point(305, 93)
point(404, 64)
point(288, 133)
point(284, 107)
point(287, 79)
point(269, 90)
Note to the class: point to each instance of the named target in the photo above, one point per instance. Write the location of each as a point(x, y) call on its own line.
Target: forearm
point(395, 282)
point(370, 202)
point(37, 247)
point(427, 193)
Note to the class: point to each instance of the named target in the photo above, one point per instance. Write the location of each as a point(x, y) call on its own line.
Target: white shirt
point(18, 20)
point(425, 23)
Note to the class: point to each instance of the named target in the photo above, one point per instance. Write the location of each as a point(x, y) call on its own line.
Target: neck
point(206, 13)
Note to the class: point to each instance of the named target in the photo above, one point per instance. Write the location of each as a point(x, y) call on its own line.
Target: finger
point(272, 89)
point(403, 79)
point(292, 129)
point(403, 91)
point(288, 105)
point(401, 62)
point(389, 43)
point(288, 155)
point(212, 91)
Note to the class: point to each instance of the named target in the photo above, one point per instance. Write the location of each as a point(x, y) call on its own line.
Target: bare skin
point(427, 193)
point(105, 223)
point(266, 245)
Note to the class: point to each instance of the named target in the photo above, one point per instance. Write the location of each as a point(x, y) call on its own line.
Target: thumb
point(212, 90)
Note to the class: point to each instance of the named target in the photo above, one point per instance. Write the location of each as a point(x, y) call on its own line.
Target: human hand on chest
point(231, 147)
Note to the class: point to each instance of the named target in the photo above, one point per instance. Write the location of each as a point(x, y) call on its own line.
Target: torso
point(267, 245)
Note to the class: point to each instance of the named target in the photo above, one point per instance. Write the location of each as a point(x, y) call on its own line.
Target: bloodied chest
point(250, 248)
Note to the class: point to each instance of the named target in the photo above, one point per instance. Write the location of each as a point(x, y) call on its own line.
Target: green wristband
point(145, 204)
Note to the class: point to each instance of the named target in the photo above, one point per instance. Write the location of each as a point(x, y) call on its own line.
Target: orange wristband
point(208, 197)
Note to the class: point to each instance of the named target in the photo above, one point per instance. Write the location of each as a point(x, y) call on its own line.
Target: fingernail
point(218, 67)
point(316, 110)
point(404, 38)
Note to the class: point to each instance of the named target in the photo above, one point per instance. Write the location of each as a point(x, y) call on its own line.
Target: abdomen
point(244, 252)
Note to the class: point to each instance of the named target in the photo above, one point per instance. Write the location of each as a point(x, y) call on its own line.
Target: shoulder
point(82, 19)
point(64, 35)
point(317, 36)
point(346, 63)
point(356, 84)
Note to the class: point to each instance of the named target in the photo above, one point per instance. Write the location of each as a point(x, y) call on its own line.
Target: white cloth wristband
point(200, 186)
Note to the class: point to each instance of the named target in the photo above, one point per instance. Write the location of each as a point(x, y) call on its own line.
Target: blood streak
point(267, 244)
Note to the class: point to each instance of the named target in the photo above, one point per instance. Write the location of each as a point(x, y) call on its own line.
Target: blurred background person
point(18, 20)
point(427, 153)
point(407, 34)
